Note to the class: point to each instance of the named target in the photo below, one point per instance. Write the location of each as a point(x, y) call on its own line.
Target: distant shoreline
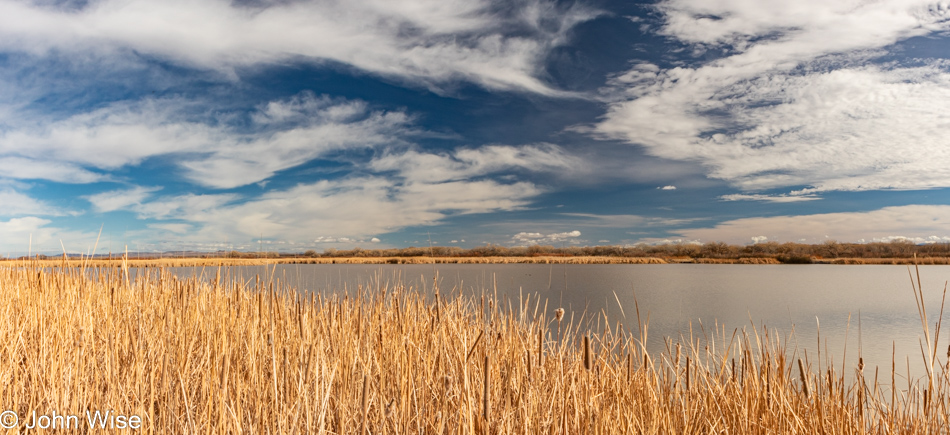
point(224, 261)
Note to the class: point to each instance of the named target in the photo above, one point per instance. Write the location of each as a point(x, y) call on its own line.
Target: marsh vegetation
point(219, 356)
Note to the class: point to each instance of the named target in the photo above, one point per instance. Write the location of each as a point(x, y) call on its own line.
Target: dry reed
point(220, 356)
point(224, 261)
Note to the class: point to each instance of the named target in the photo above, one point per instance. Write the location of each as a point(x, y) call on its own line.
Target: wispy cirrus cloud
point(19, 204)
point(497, 45)
point(209, 151)
point(795, 96)
point(465, 163)
point(768, 198)
point(354, 208)
point(120, 199)
point(625, 221)
point(47, 168)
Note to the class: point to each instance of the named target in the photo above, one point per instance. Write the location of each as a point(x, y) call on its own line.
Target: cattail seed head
point(559, 313)
point(801, 374)
point(587, 359)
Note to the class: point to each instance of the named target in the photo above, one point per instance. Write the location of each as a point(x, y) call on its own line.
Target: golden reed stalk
point(218, 356)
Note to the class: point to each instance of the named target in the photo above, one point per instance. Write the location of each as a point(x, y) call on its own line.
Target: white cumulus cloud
point(34, 234)
point(918, 223)
point(797, 99)
point(531, 238)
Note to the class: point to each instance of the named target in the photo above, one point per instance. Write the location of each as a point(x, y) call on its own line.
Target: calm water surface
point(791, 300)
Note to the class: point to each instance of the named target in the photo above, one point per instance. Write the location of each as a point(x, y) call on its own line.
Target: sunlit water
point(873, 306)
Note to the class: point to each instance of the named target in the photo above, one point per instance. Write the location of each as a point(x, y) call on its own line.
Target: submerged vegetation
point(214, 355)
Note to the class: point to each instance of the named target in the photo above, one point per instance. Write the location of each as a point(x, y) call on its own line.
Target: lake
point(676, 297)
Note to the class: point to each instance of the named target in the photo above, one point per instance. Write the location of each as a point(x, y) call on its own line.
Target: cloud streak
point(431, 42)
point(768, 198)
point(408, 189)
point(209, 151)
point(466, 163)
point(18, 204)
point(119, 199)
point(355, 208)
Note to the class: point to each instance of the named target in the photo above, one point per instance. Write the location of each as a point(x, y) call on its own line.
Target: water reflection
point(866, 309)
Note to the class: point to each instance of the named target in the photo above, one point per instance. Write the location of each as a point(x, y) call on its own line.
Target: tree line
point(784, 252)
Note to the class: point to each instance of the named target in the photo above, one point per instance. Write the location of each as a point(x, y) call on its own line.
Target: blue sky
point(322, 124)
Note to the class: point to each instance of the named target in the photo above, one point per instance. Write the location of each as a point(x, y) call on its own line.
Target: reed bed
point(741, 260)
point(224, 261)
point(593, 259)
point(217, 356)
point(901, 261)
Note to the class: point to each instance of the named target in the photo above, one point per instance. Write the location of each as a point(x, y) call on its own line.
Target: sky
point(292, 125)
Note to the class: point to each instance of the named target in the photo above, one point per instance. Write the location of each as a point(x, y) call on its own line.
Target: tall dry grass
point(213, 356)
